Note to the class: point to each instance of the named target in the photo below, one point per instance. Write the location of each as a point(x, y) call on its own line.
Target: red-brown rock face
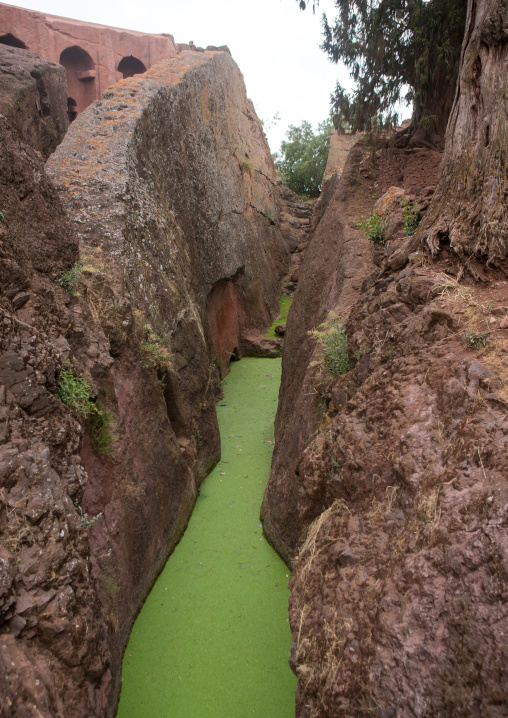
point(171, 215)
point(388, 489)
point(54, 656)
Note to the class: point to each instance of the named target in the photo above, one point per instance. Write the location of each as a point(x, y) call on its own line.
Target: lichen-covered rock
point(33, 98)
point(171, 174)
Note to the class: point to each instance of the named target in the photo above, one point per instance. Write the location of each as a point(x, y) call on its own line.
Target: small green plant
point(411, 217)
point(2, 218)
point(332, 337)
point(153, 354)
point(101, 421)
point(372, 227)
point(247, 166)
point(71, 279)
point(199, 439)
point(476, 341)
point(85, 521)
point(74, 391)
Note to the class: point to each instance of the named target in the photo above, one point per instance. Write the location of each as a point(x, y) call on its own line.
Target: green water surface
point(213, 639)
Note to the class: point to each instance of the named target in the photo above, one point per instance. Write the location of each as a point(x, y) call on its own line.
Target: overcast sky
point(275, 45)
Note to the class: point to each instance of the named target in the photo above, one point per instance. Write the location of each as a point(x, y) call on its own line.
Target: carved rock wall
point(388, 488)
point(93, 55)
point(167, 186)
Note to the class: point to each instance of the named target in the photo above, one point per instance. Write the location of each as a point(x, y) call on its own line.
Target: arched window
point(72, 109)
point(80, 71)
point(12, 41)
point(130, 66)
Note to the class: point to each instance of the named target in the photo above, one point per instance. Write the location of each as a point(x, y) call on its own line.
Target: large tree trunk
point(469, 206)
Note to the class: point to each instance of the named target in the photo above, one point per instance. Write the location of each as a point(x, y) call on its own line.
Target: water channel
point(213, 639)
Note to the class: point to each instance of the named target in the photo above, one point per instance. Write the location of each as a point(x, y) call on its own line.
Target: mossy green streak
point(212, 639)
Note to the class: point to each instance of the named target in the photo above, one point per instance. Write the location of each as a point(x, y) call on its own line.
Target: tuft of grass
point(102, 435)
point(475, 340)
point(71, 279)
point(154, 355)
point(411, 217)
point(332, 337)
point(372, 226)
point(247, 166)
point(74, 391)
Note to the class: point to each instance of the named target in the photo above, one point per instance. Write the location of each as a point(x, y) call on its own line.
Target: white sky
point(275, 45)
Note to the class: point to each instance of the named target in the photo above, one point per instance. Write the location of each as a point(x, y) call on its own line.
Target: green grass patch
point(285, 303)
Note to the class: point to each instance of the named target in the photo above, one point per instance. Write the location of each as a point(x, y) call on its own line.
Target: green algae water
point(212, 639)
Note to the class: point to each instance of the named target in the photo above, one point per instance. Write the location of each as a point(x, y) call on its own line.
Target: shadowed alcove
point(80, 70)
point(12, 41)
point(130, 66)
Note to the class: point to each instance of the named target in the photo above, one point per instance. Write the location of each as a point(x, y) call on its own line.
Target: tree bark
point(469, 207)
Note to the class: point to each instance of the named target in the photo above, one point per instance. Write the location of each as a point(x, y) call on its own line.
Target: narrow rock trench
point(212, 637)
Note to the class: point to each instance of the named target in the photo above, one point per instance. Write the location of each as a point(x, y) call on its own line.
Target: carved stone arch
point(130, 66)
point(12, 41)
point(80, 70)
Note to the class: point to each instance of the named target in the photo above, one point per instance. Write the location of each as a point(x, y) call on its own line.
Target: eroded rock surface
point(54, 657)
point(388, 490)
point(166, 188)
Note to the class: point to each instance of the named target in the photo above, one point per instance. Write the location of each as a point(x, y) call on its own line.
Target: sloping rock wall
point(165, 188)
point(388, 489)
point(336, 261)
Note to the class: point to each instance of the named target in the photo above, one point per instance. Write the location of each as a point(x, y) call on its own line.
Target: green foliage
point(74, 391)
point(476, 341)
point(302, 159)
point(103, 438)
point(332, 337)
point(2, 218)
point(411, 216)
point(154, 355)
point(85, 521)
point(373, 227)
point(71, 279)
point(395, 50)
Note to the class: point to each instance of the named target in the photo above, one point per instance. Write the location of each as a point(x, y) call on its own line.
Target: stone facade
point(94, 56)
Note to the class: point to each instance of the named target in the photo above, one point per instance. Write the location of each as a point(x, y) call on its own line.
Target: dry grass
point(475, 315)
point(309, 549)
point(427, 516)
point(379, 509)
